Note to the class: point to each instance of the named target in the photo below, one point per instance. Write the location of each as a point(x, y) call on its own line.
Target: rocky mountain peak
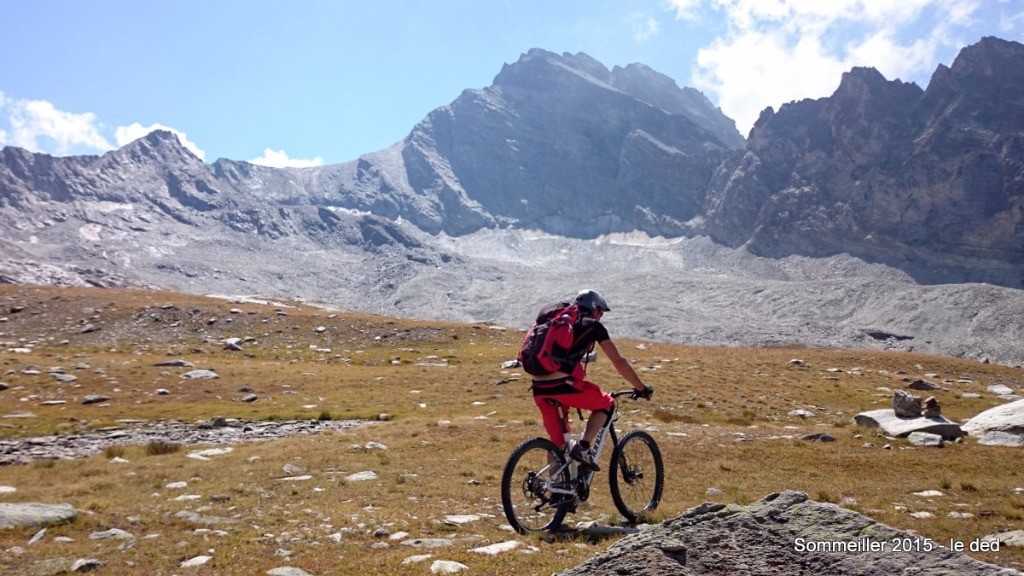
point(160, 146)
point(990, 58)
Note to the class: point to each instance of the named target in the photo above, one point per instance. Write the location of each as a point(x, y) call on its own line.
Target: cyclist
point(570, 387)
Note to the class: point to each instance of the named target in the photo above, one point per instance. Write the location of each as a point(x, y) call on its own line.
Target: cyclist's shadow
point(592, 532)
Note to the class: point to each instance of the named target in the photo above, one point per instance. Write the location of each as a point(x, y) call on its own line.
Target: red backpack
point(546, 347)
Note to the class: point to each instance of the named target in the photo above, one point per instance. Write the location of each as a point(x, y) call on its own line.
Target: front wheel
point(526, 483)
point(637, 475)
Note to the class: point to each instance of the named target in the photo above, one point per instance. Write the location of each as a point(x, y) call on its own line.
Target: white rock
point(206, 454)
point(447, 567)
point(928, 493)
point(197, 561)
point(362, 476)
point(176, 485)
point(417, 558)
point(458, 519)
point(112, 534)
point(498, 548)
point(1005, 418)
point(1000, 438)
point(287, 571)
point(200, 375)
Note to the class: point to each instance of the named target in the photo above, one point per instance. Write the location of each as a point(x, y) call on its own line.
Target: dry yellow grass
point(720, 415)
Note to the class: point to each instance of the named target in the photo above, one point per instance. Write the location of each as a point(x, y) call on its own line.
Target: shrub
point(159, 447)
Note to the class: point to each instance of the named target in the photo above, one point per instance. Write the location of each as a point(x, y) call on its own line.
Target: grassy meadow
point(435, 395)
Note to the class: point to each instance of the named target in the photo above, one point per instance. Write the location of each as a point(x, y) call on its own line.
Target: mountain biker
point(571, 389)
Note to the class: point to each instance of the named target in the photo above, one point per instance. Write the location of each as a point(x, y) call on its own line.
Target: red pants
point(578, 394)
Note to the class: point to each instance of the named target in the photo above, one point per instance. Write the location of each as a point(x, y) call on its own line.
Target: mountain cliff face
point(929, 181)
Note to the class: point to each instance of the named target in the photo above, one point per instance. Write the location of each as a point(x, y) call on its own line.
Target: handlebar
point(635, 394)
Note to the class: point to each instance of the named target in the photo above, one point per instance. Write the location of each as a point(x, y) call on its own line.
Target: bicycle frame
point(607, 430)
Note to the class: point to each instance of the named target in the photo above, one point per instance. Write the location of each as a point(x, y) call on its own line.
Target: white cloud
point(777, 51)
point(278, 159)
point(645, 27)
point(684, 9)
point(38, 126)
point(126, 134)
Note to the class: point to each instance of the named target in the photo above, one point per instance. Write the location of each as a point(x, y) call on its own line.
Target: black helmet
point(591, 300)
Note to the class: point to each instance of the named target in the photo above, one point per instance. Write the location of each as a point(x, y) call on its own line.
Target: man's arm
point(622, 365)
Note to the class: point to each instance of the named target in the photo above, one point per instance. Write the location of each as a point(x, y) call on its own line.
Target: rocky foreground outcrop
point(786, 534)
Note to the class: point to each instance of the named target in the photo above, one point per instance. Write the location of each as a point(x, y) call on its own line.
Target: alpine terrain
point(886, 215)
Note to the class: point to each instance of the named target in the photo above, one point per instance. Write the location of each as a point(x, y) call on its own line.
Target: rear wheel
point(529, 504)
point(637, 475)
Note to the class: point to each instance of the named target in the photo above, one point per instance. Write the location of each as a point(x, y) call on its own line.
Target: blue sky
point(305, 83)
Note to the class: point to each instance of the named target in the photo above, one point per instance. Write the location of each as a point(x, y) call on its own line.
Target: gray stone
point(428, 542)
point(287, 571)
point(447, 567)
point(175, 363)
point(923, 385)
point(1000, 438)
point(94, 399)
point(925, 439)
point(31, 514)
point(112, 534)
point(906, 405)
point(1006, 418)
point(891, 425)
point(200, 375)
point(86, 565)
point(1011, 538)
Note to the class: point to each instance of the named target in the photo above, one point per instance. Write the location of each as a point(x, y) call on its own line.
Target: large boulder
point(783, 533)
point(892, 425)
point(30, 514)
point(1003, 421)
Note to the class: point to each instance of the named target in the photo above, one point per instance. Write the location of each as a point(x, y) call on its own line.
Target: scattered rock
point(287, 571)
point(112, 534)
point(428, 543)
point(361, 476)
point(1000, 438)
point(459, 519)
point(175, 364)
point(923, 385)
point(906, 405)
point(30, 514)
point(197, 561)
point(925, 439)
point(200, 375)
point(86, 565)
point(892, 425)
point(819, 437)
point(498, 548)
point(94, 399)
point(932, 408)
point(447, 567)
point(1011, 538)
